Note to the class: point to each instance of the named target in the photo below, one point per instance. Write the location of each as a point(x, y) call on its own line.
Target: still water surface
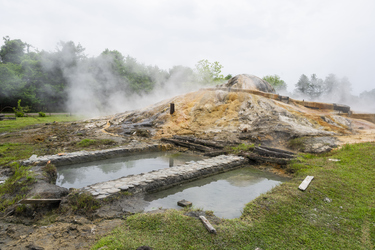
point(226, 194)
point(84, 174)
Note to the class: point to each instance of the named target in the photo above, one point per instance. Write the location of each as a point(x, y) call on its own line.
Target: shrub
point(20, 111)
point(241, 147)
point(83, 203)
point(42, 114)
point(297, 143)
point(19, 114)
point(86, 142)
point(51, 172)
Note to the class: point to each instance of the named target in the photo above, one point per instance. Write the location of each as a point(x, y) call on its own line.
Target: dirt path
point(66, 233)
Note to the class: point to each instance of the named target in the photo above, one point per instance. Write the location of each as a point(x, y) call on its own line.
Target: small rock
point(33, 247)
point(113, 190)
point(184, 203)
point(33, 158)
point(334, 160)
point(327, 200)
point(126, 187)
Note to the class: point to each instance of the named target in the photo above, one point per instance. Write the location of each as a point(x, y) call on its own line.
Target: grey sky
point(288, 38)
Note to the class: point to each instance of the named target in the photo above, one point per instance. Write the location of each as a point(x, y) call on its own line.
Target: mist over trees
point(332, 87)
point(68, 80)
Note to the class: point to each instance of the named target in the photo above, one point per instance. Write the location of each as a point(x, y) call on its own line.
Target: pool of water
point(84, 174)
point(225, 194)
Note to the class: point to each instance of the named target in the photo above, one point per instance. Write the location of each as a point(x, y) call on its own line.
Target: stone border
point(165, 178)
point(87, 156)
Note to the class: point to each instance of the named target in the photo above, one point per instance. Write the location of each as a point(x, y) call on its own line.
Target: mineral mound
point(245, 81)
point(235, 114)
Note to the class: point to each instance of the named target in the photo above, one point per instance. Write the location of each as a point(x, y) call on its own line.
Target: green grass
point(284, 218)
point(83, 203)
point(21, 122)
point(10, 152)
point(16, 186)
point(91, 142)
point(239, 148)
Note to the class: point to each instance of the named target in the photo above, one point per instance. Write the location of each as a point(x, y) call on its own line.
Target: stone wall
point(87, 156)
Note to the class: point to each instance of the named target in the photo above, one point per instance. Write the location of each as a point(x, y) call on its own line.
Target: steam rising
point(333, 90)
point(111, 83)
point(101, 86)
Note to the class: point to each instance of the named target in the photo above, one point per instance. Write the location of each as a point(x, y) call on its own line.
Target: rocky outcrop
point(245, 81)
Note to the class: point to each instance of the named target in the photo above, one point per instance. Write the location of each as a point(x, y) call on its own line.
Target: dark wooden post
point(171, 108)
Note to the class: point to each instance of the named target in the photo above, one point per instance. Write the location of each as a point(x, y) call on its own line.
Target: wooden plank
point(208, 225)
point(305, 183)
point(199, 141)
point(39, 201)
point(267, 152)
point(259, 158)
point(188, 145)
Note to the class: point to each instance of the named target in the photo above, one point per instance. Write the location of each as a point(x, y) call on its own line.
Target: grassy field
point(337, 211)
point(15, 151)
point(21, 122)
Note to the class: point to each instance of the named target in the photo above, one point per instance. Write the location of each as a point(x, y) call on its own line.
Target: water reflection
point(81, 175)
point(226, 194)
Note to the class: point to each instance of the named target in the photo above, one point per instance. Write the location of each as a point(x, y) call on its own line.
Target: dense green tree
point(11, 84)
point(229, 76)
point(276, 82)
point(12, 51)
point(208, 72)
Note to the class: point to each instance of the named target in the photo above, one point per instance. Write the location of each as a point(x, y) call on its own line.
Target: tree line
point(332, 89)
point(44, 80)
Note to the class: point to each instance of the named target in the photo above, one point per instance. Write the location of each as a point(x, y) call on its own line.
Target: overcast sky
point(288, 38)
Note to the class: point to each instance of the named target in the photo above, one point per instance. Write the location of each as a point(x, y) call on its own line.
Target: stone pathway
point(167, 177)
point(87, 156)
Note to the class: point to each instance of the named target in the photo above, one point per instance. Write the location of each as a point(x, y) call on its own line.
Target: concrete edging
point(87, 156)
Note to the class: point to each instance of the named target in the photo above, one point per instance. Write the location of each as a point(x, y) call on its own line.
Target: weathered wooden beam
point(199, 141)
point(278, 150)
point(7, 118)
point(266, 152)
point(216, 153)
point(207, 224)
point(259, 158)
point(192, 146)
point(305, 183)
point(39, 201)
point(171, 108)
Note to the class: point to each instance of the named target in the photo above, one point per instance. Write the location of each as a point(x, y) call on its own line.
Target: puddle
point(226, 194)
point(84, 174)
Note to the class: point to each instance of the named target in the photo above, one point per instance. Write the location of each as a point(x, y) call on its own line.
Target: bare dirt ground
point(367, 135)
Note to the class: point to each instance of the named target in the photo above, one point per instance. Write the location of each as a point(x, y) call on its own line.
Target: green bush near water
point(83, 203)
